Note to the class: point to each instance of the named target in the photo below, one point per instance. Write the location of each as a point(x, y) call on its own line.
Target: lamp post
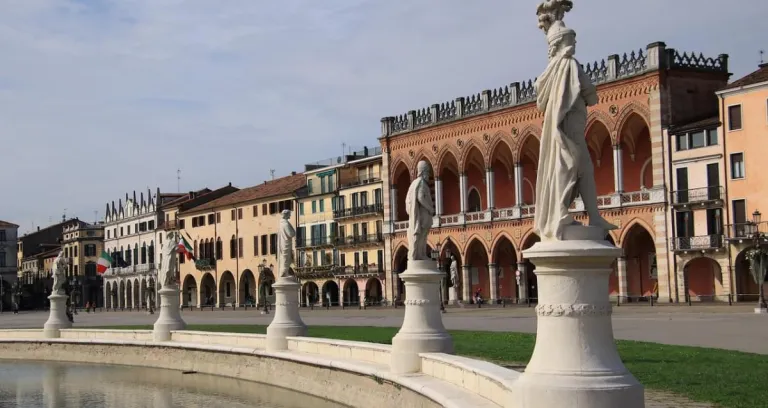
point(436, 257)
point(262, 286)
point(757, 262)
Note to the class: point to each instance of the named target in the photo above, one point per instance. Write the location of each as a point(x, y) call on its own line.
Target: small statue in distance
point(285, 245)
point(166, 275)
point(60, 265)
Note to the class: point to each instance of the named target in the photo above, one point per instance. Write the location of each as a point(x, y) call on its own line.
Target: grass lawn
point(730, 379)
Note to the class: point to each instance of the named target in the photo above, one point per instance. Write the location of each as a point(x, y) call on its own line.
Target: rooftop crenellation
point(616, 67)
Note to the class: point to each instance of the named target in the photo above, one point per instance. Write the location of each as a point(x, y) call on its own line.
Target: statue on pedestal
point(565, 168)
point(166, 275)
point(286, 234)
point(420, 210)
point(60, 265)
point(454, 272)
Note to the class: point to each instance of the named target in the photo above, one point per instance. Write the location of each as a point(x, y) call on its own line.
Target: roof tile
point(277, 187)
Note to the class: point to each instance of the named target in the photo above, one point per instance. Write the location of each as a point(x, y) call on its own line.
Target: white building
point(8, 270)
point(130, 239)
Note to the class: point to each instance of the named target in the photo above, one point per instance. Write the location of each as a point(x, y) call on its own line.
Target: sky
point(99, 98)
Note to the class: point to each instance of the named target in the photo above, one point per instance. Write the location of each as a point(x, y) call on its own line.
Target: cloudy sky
point(101, 97)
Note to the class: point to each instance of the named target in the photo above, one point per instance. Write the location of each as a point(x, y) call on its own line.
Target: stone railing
point(606, 202)
point(702, 243)
point(132, 270)
point(445, 380)
point(616, 67)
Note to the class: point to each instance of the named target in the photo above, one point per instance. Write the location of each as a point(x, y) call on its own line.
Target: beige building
point(235, 244)
point(82, 244)
point(340, 232)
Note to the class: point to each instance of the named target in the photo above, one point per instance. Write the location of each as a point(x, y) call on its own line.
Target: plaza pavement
point(726, 327)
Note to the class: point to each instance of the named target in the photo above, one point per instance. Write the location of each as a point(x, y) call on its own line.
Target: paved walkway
point(734, 327)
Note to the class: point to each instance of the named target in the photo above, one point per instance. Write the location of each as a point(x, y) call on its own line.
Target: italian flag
point(105, 261)
point(185, 248)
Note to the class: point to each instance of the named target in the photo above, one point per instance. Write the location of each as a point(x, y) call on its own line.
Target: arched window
point(233, 247)
point(135, 254)
point(473, 201)
point(152, 252)
point(219, 248)
point(128, 256)
point(143, 253)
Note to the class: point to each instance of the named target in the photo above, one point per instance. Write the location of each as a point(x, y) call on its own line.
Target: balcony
point(712, 196)
point(205, 264)
point(358, 270)
point(360, 240)
point(747, 230)
point(169, 225)
point(360, 180)
point(316, 242)
point(311, 272)
point(359, 211)
point(132, 270)
point(701, 243)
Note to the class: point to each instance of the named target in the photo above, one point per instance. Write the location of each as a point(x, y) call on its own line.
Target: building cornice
point(742, 89)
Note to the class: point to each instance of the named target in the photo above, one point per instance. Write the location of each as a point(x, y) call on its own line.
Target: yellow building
point(235, 244)
point(82, 244)
point(340, 237)
point(744, 114)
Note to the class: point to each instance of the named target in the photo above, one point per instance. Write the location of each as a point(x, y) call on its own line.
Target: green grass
point(729, 379)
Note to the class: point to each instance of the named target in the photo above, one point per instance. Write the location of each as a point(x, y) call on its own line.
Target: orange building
point(744, 114)
point(483, 150)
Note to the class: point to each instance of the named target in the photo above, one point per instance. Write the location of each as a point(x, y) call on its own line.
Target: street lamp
point(436, 257)
point(758, 258)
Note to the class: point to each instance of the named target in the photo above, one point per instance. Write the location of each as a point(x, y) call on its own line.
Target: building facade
point(483, 152)
point(82, 244)
point(235, 244)
point(744, 114)
point(340, 239)
point(8, 253)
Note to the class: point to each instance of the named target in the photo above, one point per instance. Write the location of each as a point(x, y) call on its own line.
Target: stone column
point(466, 284)
point(287, 321)
point(518, 183)
point(618, 171)
point(493, 271)
point(393, 203)
point(621, 274)
point(463, 192)
point(522, 282)
point(57, 318)
point(489, 191)
point(170, 315)
point(575, 362)
point(438, 196)
point(423, 330)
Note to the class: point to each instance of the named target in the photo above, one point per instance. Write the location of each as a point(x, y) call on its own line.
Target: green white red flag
point(185, 248)
point(105, 261)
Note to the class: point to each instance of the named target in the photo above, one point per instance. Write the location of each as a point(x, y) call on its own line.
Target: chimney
point(293, 173)
point(191, 195)
point(38, 228)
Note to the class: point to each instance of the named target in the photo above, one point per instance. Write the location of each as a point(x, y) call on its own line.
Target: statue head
point(453, 257)
point(286, 214)
point(422, 170)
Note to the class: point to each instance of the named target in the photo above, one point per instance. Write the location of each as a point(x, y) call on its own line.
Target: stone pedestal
point(57, 319)
point(575, 363)
point(452, 298)
point(287, 321)
point(422, 330)
point(170, 314)
point(761, 310)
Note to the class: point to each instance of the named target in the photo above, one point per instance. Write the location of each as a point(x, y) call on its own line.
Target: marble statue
point(285, 245)
point(60, 266)
point(418, 205)
point(166, 275)
point(454, 271)
point(565, 168)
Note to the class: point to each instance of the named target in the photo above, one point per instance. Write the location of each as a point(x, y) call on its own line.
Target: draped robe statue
point(286, 233)
point(454, 272)
point(59, 274)
point(418, 205)
point(565, 168)
point(167, 273)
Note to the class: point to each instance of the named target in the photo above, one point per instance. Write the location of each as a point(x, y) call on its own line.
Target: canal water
point(31, 384)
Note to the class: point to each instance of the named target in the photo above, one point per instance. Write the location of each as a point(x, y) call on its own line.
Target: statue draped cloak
point(420, 218)
point(559, 96)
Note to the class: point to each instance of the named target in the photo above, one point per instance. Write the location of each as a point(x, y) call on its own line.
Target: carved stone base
point(452, 298)
point(57, 318)
point(423, 330)
point(761, 310)
point(575, 363)
point(287, 321)
point(170, 315)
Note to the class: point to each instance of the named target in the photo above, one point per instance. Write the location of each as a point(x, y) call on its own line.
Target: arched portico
point(227, 289)
point(702, 276)
point(247, 288)
point(330, 293)
point(189, 291)
point(207, 291)
point(639, 254)
point(351, 293)
point(503, 270)
point(310, 294)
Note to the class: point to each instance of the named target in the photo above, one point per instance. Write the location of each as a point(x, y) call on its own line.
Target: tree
point(758, 265)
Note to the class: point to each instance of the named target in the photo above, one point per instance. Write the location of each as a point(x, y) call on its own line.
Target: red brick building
point(483, 150)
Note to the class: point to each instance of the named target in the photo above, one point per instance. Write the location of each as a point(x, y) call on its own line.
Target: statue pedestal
point(57, 319)
point(170, 315)
point(452, 298)
point(422, 330)
point(575, 363)
point(287, 321)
